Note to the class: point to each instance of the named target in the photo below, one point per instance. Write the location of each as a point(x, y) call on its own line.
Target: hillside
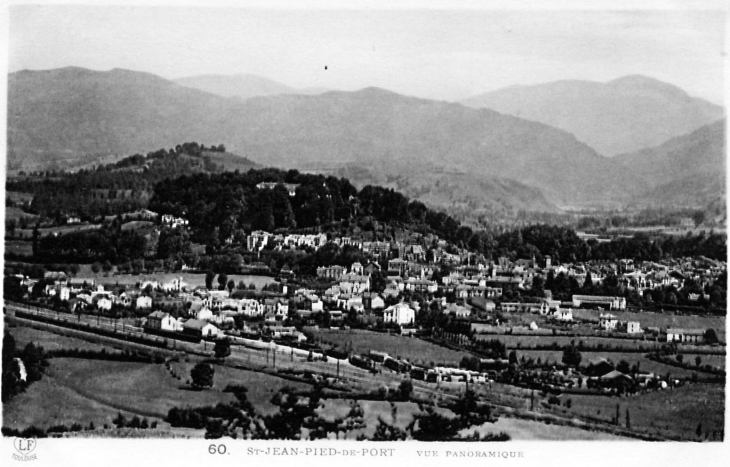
point(58, 116)
point(242, 85)
point(623, 115)
point(688, 170)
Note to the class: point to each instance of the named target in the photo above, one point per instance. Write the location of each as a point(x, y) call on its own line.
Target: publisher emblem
point(25, 446)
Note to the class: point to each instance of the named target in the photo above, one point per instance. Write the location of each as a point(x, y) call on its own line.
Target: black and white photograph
point(239, 225)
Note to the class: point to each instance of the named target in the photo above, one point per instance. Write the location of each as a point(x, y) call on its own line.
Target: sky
point(438, 54)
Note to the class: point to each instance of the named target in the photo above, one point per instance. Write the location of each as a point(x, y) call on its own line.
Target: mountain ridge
point(622, 115)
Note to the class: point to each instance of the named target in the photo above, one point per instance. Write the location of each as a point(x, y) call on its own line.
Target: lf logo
point(25, 446)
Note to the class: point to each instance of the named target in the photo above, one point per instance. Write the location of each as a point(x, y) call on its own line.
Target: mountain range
point(243, 85)
point(623, 115)
point(446, 153)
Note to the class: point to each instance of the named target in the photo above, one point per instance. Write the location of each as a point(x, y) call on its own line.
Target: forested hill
point(124, 186)
point(224, 207)
point(234, 203)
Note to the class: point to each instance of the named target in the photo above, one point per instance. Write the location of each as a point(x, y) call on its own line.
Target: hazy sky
point(435, 54)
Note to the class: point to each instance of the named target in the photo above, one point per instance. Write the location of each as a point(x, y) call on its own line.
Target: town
point(523, 323)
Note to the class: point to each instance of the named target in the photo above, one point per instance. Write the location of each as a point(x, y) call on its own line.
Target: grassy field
point(51, 341)
point(529, 430)
point(415, 350)
point(19, 247)
point(661, 320)
point(562, 341)
point(48, 402)
point(17, 213)
point(60, 230)
point(192, 280)
point(676, 412)
point(261, 387)
point(615, 357)
point(714, 360)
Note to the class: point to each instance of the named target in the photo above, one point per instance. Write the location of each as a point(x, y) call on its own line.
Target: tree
point(698, 360)
point(711, 336)
point(572, 356)
point(202, 375)
point(107, 267)
point(222, 348)
point(231, 285)
point(96, 267)
point(513, 358)
point(222, 281)
point(624, 367)
point(405, 389)
point(209, 280)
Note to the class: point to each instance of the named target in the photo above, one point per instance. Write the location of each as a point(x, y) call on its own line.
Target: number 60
point(220, 449)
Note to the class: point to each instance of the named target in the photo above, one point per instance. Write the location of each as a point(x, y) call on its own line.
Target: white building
point(144, 302)
point(399, 314)
point(607, 321)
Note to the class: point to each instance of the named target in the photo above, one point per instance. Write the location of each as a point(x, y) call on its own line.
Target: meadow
point(673, 413)
point(645, 365)
point(660, 320)
point(191, 280)
point(412, 349)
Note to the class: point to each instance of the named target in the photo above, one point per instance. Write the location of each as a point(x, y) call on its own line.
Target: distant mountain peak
point(623, 115)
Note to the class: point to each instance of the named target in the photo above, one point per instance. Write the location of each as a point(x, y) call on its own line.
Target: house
point(458, 311)
point(612, 303)
point(631, 327)
point(399, 314)
point(162, 321)
point(373, 301)
point(354, 283)
point(257, 240)
point(250, 307)
point(204, 314)
point(330, 272)
point(563, 315)
point(688, 336)
point(175, 285)
point(104, 303)
point(173, 221)
point(616, 379)
point(607, 321)
point(398, 265)
point(198, 328)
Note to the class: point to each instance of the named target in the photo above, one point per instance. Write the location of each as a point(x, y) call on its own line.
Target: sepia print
point(475, 225)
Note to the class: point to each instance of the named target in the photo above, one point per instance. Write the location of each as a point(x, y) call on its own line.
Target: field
point(562, 341)
point(528, 430)
point(77, 390)
point(645, 364)
point(192, 280)
point(60, 230)
point(261, 387)
point(19, 247)
point(661, 320)
point(135, 225)
point(17, 213)
point(415, 350)
point(676, 412)
point(51, 341)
